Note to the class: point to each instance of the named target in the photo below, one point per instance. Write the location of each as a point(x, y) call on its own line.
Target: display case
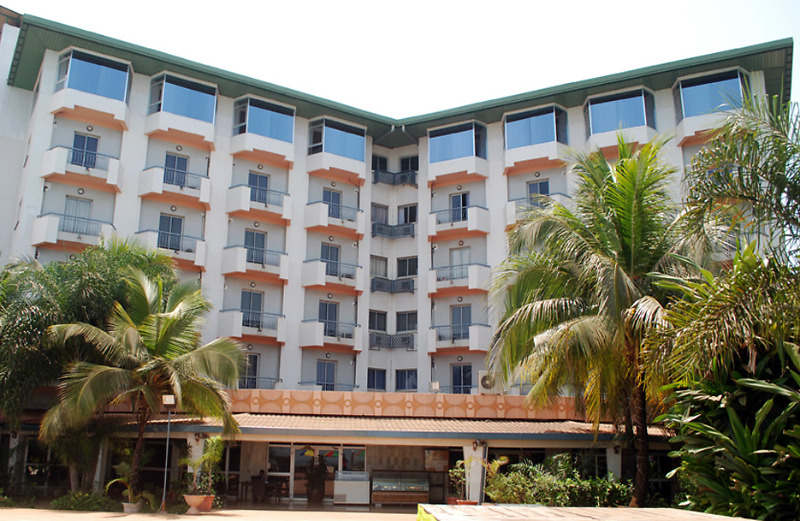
point(351, 488)
point(400, 487)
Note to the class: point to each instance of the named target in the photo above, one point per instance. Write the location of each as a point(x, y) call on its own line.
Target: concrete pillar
point(474, 457)
point(100, 470)
point(614, 460)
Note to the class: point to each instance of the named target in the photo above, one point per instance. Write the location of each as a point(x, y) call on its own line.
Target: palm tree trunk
point(141, 420)
point(641, 442)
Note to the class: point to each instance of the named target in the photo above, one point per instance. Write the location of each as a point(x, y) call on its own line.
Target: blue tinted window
point(406, 380)
point(344, 143)
point(460, 141)
point(610, 114)
point(266, 119)
point(187, 98)
point(705, 95)
point(97, 75)
point(530, 128)
point(376, 379)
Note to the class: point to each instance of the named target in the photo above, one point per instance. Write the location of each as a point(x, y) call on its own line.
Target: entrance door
point(459, 262)
point(302, 459)
point(461, 318)
point(329, 316)
point(330, 254)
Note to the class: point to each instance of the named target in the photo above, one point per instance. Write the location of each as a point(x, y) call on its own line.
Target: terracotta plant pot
point(465, 502)
point(131, 508)
point(198, 503)
point(315, 495)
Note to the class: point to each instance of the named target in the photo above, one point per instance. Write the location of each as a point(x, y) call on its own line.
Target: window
point(329, 316)
point(459, 204)
point(252, 302)
point(536, 126)
point(377, 320)
point(249, 380)
point(697, 96)
point(377, 266)
point(93, 74)
point(627, 110)
point(263, 118)
point(406, 380)
point(461, 378)
point(407, 214)
point(380, 163)
point(407, 267)
point(537, 188)
point(409, 163)
point(380, 214)
point(256, 245)
point(406, 321)
point(336, 138)
point(376, 379)
point(175, 168)
point(334, 201)
point(330, 255)
point(170, 232)
point(259, 187)
point(77, 217)
point(460, 320)
point(182, 97)
point(464, 140)
point(84, 150)
point(326, 374)
point(460, 259)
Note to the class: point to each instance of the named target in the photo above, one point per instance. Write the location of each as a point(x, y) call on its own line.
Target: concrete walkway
point(36, 514)
point(533, 513)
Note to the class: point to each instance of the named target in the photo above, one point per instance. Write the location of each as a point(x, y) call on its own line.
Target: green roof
point(37, 35)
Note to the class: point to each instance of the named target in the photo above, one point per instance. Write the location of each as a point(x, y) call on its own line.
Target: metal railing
point(457, 389)
point(329, 386)
point(526, 204)
point(406, 177)
point(258, 319)
point(379, 340)
point(176, 241)
point(393, 231)
point(404, 285)
point(459, 271)
point(79, 225)
point(257, 382)
point(452, 333)
point(339, 211)
point(265, 196)
point(453, 215)
point(182, 178)
point(86, 159)
point(260, 256)
point(338, 269)
point(335, 329)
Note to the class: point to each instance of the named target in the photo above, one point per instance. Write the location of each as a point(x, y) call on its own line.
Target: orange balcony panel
point(180, 130)
point(262, 149)
point(89, 108)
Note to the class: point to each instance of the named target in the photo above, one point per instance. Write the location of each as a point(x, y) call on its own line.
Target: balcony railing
point(175, 241)
point(79, 225)
point(86, 159)
point(257, 382)
point(457, 389)
point(452, 333)
point(399, 341)
point(182, 178)
point(455, 272)
point(329, 386)
point(404, 285)
point(335, 329)
point(338, 211)
point(260, 256)
point(406, 177)
point(338, 269)
point(265, 196)
point(258, 319)
point(526, 204)
point(393, 231)
point(454, 215)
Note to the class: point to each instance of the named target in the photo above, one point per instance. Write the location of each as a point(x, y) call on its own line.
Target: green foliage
point(316, 473)
point(85, 502)
point(206, 466)
point(555, 483)
point(5, 501)
point(458, 479)
point(125, 473)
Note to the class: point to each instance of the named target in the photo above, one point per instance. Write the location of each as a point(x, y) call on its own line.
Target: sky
point(414, 57)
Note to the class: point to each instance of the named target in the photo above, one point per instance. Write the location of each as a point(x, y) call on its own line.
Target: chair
point(259, 489)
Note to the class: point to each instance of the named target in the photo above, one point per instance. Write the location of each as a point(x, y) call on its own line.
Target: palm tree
point(149, 349)
point(575, 297)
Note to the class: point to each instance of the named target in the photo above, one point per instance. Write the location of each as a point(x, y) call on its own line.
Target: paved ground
point(532, 513)
point(30, 514)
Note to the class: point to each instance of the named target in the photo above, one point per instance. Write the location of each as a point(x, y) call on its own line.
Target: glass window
point(259, 187)
point(627, 110)
point(378, 266)
point(461, 378)
point(406, 380)
point(407, 267)
point(409, 163)
point(252, 302)
point(355, 458)
point(170, 232)
point(406, 321)
point(334, 201)
point(280, 459)
point(77, 216)
point(326, 374)
point(380, 214)
point(255, 243)
point(407, 214)
point(175, 168)
point(377, 320)
point(459, 207)
point(460, 320)
point(538, 126)
point(464, 140)
point(249, 380)
point(329, 316)
point(263, 118)
point(183, 97)
point(705, 95)
point(89, 73)
point(376, 379)
point(380, 163)
point(330, 254)
point(84, 150)
point(336, 138)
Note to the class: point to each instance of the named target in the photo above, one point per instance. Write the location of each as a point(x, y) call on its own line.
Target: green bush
point(85, 501)
point(555, 483)
point(5, 501)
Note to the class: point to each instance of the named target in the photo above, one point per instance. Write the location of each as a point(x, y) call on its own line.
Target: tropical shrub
point(5, 501)
point(84, 502)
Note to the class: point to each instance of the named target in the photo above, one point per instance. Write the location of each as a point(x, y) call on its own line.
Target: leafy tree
point(576, 294)
point(149, 348)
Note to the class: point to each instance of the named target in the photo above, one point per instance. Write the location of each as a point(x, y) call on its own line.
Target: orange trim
point(335, 288)
point(91, 116)
point(447, 351)
point(337, 174)
point(698, 138)
point(457, 290)
point(256, 339)
point(263, 156)
point(338, 231)
point(184, 200)
point(612, 151)
point(455, 178)
point(336, 348)
point(530, 165)
point(61, 245)
point(261, 276)
point(187, 265)
point(261, 215)
point(455, 233)
point(180, 137)
point(83, 180)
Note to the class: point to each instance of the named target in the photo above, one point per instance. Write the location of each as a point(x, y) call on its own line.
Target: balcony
point(90, 108)
point(318, 333)
point(313, 385)
point(342, 221)
point(406, 177)
point(391, 231)
point(181, 130)
point(259, 203)
point(607, 141)
point(334, 276)
point(398, 341)
point(258, 382)
point(263, 149)
point(696, 130)
point(465, 278)
point(459, 222)
point(337, 168)
point(175, 186)
point(475, 337)
point(80, 168)
point(517, 208)
point(71, 232)
point(189, 252)
point(255, 263)
point(457, 171)
point(534, 157)
point(254, 325)
point(404, 285)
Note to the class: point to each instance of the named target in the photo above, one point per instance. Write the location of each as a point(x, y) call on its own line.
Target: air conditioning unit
point(434, 387)
point(488, 384)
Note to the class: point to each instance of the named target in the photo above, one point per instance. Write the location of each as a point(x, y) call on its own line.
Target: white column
point(100, 469)
point(614, 460)
point(473, 463)
point(196, 445)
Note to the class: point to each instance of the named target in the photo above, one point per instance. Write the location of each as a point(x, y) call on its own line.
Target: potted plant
point(200, 493)
point(458, 482)
point(316, 473)
point(133, 504)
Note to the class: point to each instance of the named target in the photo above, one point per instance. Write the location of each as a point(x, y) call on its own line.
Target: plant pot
point(198, 503)
point(131, 508)
point(465, 502)
point(452, 500)
point(315, 495)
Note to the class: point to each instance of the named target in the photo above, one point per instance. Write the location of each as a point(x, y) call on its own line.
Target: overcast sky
point(412, 57)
